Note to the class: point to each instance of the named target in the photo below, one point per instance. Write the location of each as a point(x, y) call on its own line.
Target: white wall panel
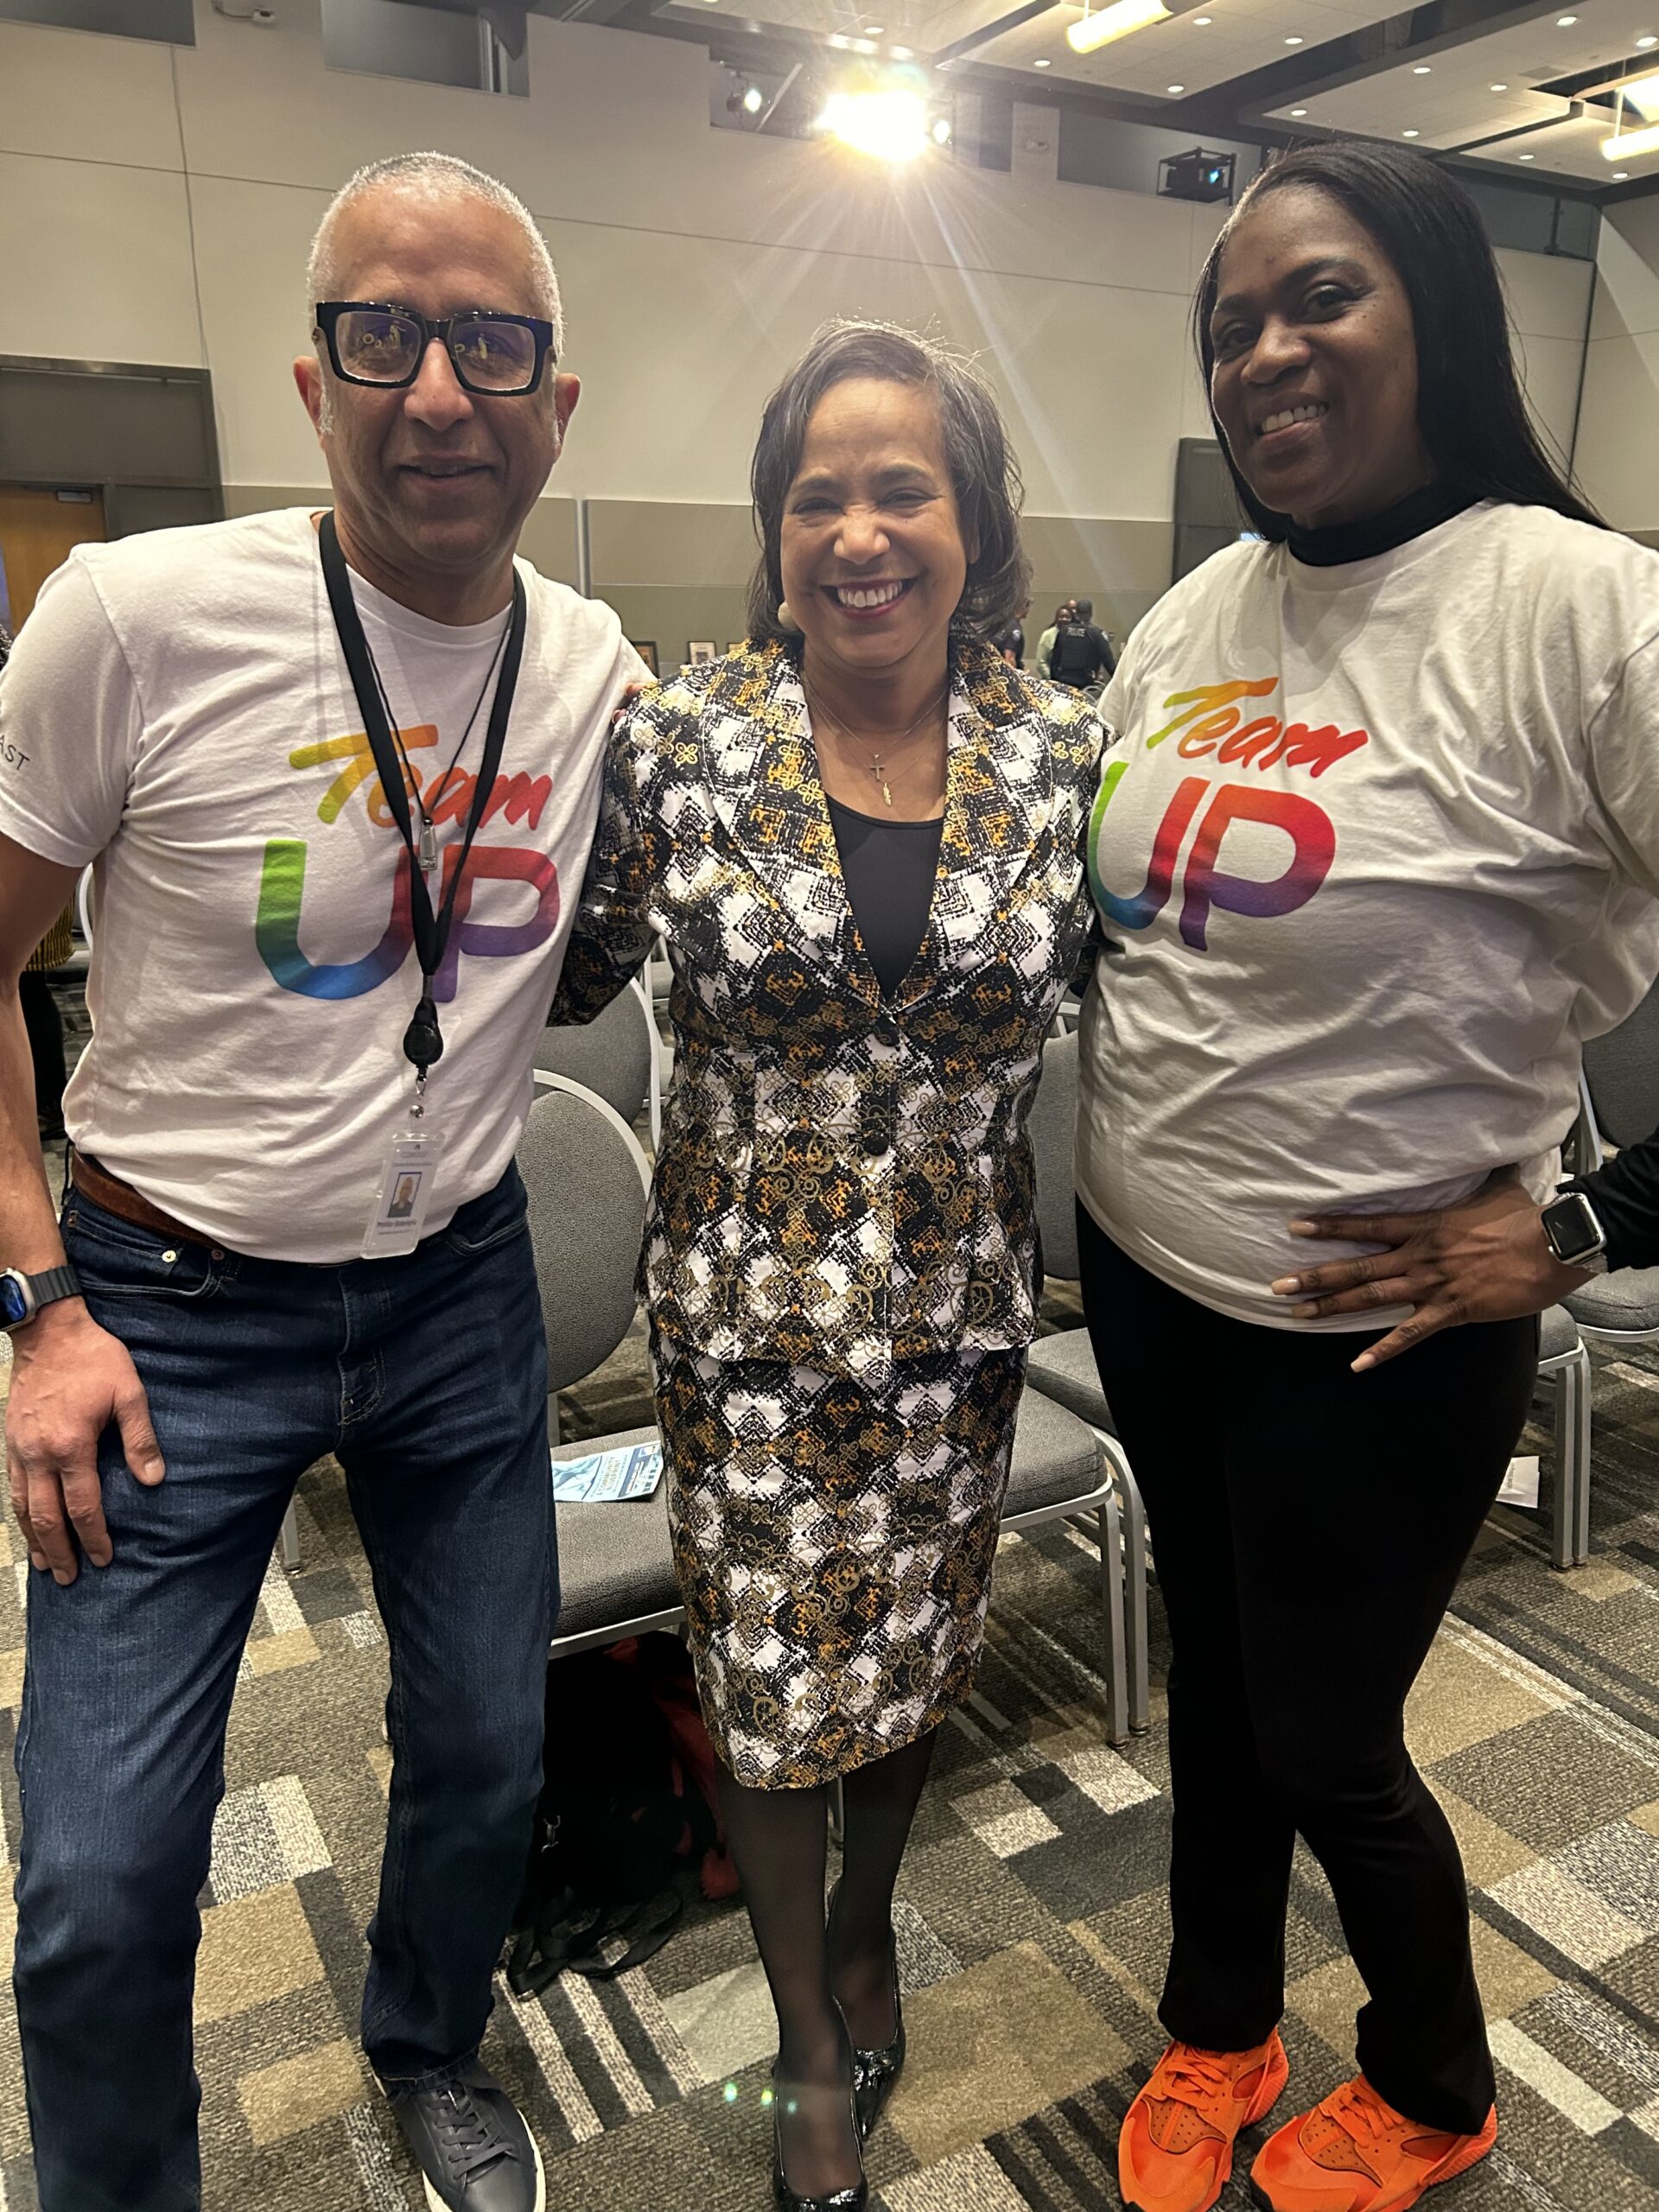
point(1618, 437)
point(97, 264)
point(1548, 294)
point(98, 99)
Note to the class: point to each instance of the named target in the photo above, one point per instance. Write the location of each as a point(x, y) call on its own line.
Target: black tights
point(778, 1839)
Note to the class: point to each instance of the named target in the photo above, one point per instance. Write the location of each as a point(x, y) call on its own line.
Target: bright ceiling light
point(753, 100)
point(875, 30)
point(942, 132)
point(1174, 88)
point(1422, 70)
point(1565, 22)
point(1292, 42)
point(1642, 94)
point(1298, 113)
point(1621, 176)
point(889, 126)
point(1115, 21)
point(1411, 134)
point(1646, 40)
point(1533, 157)
point(1626, 145)
point(1500, 88)
point(1045, 63)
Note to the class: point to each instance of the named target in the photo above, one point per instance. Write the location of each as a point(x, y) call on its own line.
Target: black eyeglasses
point(498, 355)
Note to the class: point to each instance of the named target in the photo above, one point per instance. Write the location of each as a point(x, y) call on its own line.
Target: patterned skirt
point(833, 1542)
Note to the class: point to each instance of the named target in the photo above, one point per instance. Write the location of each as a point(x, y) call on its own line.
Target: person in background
point(186, 710)
point(1010, 641)
point(1375, 849)
point(859, 837)
point(1081, 655)
point(1066, 612)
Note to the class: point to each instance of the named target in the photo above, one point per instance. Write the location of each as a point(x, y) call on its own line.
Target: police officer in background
point(1081, 655)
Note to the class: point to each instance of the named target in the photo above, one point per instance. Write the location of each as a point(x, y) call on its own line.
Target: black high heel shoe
point(841, 2200)
point(875, 2073)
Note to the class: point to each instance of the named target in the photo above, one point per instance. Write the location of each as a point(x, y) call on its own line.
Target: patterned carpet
point(1032, 1918)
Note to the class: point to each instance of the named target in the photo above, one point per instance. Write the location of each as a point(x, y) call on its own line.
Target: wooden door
point(38, 532)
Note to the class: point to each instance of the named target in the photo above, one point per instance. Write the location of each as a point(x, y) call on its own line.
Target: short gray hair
point(984, 474)
point(446, 176)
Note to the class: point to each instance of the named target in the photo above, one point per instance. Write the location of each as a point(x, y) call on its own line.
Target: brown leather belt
point(116, 1197)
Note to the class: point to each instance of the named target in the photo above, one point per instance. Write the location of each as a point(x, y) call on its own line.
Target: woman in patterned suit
point(859, 836)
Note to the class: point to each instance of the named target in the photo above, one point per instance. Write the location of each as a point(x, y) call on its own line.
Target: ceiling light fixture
point(1045, 63)
point(1500, 88)
point(1621, 176)
point(1174, 88)
point(889, 126)
point(1642, 94)
point(1298, 113)
point(1422, 70)
point(1646, 40)
point(1292, 42)
point(875, 30)
point(1114, 22)
point(1626, 145)
point(1565, 22)
point(753, 100)
point(1411, 134)
point(1533, 157)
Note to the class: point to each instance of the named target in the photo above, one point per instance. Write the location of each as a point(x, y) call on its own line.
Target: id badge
point(404, 1195)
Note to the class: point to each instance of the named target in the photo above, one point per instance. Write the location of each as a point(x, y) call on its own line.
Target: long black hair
point(1470, 407)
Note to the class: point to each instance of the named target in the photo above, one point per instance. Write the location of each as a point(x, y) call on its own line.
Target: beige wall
point(1618, 441)
point(155, 206)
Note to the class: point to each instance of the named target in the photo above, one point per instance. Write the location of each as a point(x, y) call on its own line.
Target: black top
point(1361, 541)
point(1080, 656)
point(889, 868)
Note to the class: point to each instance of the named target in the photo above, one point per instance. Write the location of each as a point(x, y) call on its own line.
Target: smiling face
point(871, 547)
point(432, 483)
point(1315, 377)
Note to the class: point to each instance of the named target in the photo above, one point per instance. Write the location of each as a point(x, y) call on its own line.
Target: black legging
point(1309, 1526)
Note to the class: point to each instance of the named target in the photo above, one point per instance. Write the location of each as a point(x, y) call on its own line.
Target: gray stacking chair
point(1619, 1089)
point(1062, 1369)
point(614, 1055)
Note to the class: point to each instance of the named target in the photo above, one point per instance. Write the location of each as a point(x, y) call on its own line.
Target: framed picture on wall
point(646, 649)
point(737, 645)
point(701, 651)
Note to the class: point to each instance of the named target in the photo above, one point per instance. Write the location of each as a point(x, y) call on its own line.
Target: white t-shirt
point(178, 710)
point(1376, 848)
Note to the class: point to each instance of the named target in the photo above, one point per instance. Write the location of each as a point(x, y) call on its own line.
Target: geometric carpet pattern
point(1032, 1918)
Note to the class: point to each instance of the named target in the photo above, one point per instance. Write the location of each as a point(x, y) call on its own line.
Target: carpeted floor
point(1032, 1919)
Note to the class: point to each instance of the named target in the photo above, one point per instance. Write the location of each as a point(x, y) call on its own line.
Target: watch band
point(38, 1290)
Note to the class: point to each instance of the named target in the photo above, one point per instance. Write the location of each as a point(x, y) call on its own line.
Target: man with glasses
point(338, 776)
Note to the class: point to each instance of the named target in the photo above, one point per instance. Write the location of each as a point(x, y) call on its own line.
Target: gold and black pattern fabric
point(833, 1542)
point(843, 1182)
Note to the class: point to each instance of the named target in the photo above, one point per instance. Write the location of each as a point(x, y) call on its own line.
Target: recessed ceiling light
point(1565, 22)
point(1045, 63)
point(875, 30)
point(1645, 41)
point(1411, 134)
point(1529, 157)
point(1298, 113)
point(1292, 42)
point(1422, 70)
point(1174, 88)
point(1500, 88)
point(1621, 176)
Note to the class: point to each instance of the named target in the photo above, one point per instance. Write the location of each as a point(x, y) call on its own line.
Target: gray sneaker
point(470, 2143)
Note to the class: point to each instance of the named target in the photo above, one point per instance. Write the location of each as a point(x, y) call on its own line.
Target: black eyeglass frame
point(440, 328)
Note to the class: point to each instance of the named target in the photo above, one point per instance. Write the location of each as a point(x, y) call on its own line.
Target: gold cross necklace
point(876, 761)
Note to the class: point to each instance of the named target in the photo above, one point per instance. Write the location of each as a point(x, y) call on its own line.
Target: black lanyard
point(423, 1040)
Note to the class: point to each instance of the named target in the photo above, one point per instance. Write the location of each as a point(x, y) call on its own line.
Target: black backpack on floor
point(620, 1820)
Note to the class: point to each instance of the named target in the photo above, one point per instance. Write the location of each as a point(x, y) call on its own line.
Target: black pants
point(1309, 1526)
point(45, 1026)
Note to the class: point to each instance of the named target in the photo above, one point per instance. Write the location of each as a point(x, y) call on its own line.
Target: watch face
point(14, 1307)
point(1572, 1230)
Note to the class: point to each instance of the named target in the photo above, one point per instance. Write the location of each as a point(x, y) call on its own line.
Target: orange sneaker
point(1355, 2153)
point(1175, 2148)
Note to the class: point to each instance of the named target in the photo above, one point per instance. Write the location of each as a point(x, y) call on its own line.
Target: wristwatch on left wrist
point(1573, 1234)
point(22, 1296)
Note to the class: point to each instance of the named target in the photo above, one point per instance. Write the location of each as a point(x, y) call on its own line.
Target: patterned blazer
point(842, 1182)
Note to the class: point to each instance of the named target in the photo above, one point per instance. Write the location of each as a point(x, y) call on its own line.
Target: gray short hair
point(984, 474)
point(446, 175)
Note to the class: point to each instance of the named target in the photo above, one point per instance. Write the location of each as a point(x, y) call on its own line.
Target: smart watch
point(1573, 1234)
point(22, 1296)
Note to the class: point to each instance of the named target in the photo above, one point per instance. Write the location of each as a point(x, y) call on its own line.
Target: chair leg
point(1581, 1420)
point(1135, 1519)
point(1111, 1587)
point(290, 1538)
point(1566, 1472)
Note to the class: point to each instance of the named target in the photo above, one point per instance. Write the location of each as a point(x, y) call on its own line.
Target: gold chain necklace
point(876, 763)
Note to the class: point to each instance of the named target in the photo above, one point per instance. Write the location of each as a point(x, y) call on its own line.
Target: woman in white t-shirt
point(1375, 847)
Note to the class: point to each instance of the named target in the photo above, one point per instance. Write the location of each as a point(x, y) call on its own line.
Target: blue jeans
point(426, 1376)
